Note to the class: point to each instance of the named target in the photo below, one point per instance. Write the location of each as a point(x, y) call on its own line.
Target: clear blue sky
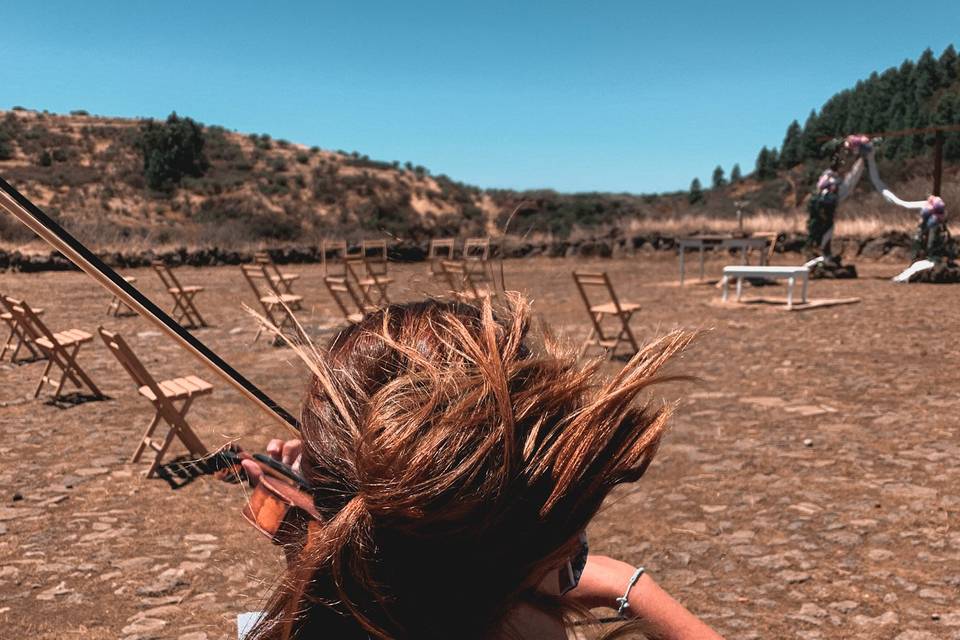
point(613, 96)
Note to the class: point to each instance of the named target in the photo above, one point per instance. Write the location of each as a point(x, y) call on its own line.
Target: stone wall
point(894, 244)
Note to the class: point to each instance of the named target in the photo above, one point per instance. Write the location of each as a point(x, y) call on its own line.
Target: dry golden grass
point(860, 226)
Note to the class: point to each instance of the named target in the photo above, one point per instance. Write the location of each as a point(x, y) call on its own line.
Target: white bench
point(790, 274)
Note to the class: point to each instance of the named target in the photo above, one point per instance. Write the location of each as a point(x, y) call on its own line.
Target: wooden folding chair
point(60, 348)
point(375, 254)
point(462, 283)
point(440, 249)
point(373, 287)
point(349, 299)
point(476, 256)
point(282, 281)
point(333, 253)
point(277, 307)
point(183, 307)
point(19, 337)
point(163, 396)
point(476, 249)
point(612, 307)
point(118, 307)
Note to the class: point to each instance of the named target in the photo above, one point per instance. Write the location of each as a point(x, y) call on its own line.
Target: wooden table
point(703, 242)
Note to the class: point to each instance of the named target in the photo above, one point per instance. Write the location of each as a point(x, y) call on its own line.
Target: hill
point(125, 183)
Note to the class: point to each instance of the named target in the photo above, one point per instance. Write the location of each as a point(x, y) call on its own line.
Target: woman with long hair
point(457, 462)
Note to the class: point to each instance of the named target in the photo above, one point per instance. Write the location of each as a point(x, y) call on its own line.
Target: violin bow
point(20, 207)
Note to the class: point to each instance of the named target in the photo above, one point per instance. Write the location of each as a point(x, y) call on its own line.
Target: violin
point(280, 504)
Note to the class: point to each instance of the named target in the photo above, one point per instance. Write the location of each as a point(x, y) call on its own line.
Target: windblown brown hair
point(455, 465)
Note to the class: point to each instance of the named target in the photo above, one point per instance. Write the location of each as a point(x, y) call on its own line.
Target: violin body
point(280, 505)
point(279, 510)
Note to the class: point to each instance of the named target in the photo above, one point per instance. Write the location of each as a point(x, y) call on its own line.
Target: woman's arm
point(605, 579)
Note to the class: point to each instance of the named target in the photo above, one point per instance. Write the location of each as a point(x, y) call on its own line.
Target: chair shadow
point(185, 469)
point(74, 399)
point(29, 360)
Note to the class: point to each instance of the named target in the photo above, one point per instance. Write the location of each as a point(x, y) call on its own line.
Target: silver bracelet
point(624, 601)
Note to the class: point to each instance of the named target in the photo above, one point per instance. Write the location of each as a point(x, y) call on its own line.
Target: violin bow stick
point(17, 205)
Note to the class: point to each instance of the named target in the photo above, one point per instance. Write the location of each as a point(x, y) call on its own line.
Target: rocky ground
point(807, 488)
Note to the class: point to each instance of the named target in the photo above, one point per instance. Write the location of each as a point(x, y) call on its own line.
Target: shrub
point(170, 151)
point(45, 159)
point(240, 218)
point(79, 112)
point(6, 146)
point(261, 141)
point(303, 158)
point(218, 146)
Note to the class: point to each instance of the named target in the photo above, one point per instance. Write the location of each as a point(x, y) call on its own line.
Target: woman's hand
point(288, 452)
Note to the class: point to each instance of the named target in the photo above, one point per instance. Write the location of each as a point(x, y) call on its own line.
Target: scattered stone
point(160, 601)
point(51, 593)
point(8, 572)
point(87, 472)
point(886, 618)
point(165, 583)
point(713, 508)
point(12, 513)
point(951, 619)
point(811, 610)
point(914, 634)
point(793, 577)
point(806, 410)
point(49, 502)
point(144, 626)
point(200, 537)
point(932, 594)
point(844, 606)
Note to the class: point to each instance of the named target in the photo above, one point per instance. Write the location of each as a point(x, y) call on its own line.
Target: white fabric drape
point(888, 195)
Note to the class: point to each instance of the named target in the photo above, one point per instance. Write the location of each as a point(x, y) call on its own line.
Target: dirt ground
point(803, 491)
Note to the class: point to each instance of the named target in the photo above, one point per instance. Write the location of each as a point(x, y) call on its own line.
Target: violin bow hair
point(20, 207)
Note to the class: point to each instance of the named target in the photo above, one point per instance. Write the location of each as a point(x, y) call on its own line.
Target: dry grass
point(859, 226)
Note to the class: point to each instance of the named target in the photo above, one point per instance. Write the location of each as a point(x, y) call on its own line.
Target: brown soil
point(804, 490)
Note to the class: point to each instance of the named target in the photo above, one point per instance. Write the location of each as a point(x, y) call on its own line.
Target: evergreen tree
point(735, 175)
point(766, 167)
point(696, 192)
point(718, 178)
point(791, 150)
point(774, 160)
point(948, 112)
point(809, 142)
point(901, 97)
point(171, 150)
point(948, 66)
point(926, 76)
